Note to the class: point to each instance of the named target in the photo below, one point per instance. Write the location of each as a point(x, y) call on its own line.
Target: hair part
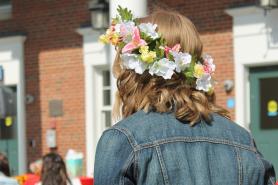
point(146, 92)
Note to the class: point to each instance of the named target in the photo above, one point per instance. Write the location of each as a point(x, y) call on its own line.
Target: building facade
point(60, 73)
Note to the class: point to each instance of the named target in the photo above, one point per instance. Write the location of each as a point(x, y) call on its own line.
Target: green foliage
point(121, 45)
point(125, 14)
point(158, 49)
point(189, 73)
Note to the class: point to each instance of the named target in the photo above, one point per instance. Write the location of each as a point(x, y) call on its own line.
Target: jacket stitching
point(192, 140)
point(132, 143)
point(239, 163)
point(261, 163)
point(126, 166)
point(129, 136)
point(263, 166)
point(162, 165)
point(136, 171)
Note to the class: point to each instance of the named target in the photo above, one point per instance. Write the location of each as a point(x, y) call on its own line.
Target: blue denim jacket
point(156, 149)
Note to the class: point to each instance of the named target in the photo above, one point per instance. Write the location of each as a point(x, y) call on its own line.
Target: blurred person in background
point(34, 177)
point(5, 172)
point(54, 171)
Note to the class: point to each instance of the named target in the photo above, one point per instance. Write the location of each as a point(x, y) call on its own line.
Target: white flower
point(125, 29)
point(163, 67)
point(182, 60)
point(132, 61)
point(149, 30)
point(204, 83)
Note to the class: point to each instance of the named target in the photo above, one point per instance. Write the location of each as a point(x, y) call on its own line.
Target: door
point(264, 110)
point(8, 136)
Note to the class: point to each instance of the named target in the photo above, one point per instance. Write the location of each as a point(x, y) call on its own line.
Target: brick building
point(51, 58)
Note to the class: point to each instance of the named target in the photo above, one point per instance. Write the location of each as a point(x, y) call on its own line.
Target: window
point(102, 98)
point(5, 9)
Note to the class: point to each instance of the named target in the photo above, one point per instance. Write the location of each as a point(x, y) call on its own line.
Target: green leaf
point(125, 14)
point(121, 45)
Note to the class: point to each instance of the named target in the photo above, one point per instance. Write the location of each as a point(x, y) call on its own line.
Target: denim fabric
point(156, 149)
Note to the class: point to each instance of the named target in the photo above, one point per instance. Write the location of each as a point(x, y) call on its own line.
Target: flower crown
point(142, 48)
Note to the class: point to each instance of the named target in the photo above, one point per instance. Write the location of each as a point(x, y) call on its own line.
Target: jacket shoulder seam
point(127, 134)
point(195, 139)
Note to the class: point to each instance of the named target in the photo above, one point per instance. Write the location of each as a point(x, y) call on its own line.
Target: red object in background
point(277, 183)
point(86, 181)
point(31, 179)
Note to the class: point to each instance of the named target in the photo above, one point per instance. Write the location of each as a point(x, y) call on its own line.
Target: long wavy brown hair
point(153, 93)
point(54, 170)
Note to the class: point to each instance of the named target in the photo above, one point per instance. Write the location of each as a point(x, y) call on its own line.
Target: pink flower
point(175, 48)
point(135, 43)
point(209, 66)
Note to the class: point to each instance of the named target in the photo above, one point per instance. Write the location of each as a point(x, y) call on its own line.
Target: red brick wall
point(53, 69)
point(215, 27)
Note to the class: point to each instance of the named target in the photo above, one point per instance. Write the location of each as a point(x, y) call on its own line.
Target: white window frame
point(98, 99)
point(95, 58)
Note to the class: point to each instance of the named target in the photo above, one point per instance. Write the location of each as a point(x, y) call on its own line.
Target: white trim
point(245, 10)
point(15, 46)
point(251, 32)
point(95, 55)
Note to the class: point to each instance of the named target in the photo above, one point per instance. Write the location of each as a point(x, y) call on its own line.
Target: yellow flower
point(146, 55)
point(104, 39)
point(114, 39)
point(144, 49)
point(198, 70)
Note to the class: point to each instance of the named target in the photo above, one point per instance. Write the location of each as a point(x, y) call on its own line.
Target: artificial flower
point(146, 55)
point(125, 30)
point(104, 39)
point(198, 70)
point(204, 83)
point(149, 30)
point(182, 60)
point(135, 42)
point(164, 68)
point(110, 37)
point(132, 61)
point(125, 33)
point(209, 67)
point(114, 39)
point(175, 48)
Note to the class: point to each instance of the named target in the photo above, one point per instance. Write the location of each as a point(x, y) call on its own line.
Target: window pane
point(106, 97)
point(106, 118)
point(5, 2)
point(106, 78)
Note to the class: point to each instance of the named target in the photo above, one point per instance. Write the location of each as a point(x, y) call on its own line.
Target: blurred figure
point(54, 171)
point(35, 168)
point(5, 171)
